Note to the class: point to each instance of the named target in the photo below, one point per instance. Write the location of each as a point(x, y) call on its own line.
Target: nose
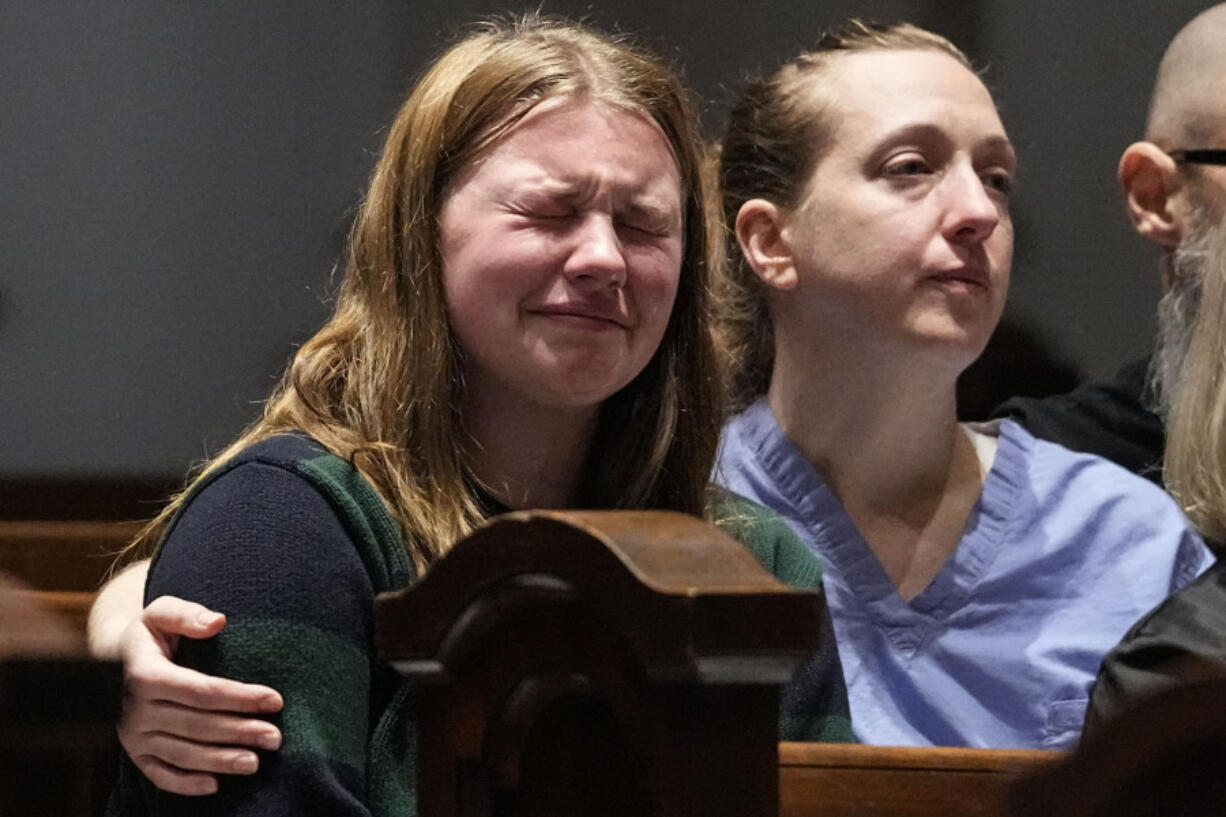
point(971, 214)
point(596, 258)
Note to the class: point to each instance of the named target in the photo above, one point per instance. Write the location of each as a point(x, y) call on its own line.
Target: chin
point(954, 346)
point(574, 396)
point(970, 328)
point(579, 384)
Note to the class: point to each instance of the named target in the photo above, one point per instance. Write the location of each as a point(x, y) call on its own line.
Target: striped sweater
point(293, 545)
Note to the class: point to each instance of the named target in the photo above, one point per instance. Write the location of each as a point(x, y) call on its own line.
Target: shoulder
point(268, 478)
point(288, 494)
point(254, 522)
point(259, 488)
point(1056, 474)
point(767, 535)
point(1104, 404)
point(1098, 512)
point(259, 491)
point(280, 509)
point(296, 455)
point(1182, 640)
point(1196, 615)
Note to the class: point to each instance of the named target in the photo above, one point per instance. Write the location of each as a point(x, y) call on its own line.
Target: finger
point(200, 727)
point(171, 616)
point(175, 781)
point(158, 679)
point(190, 757)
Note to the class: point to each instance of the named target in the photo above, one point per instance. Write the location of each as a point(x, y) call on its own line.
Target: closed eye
point(545, 215)
point(646, 230)
point(541, 208)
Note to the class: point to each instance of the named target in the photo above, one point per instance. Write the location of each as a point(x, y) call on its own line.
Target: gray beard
point(1177, 314)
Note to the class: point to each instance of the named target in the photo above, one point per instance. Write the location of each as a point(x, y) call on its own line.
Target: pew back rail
point(597, 663)
point(832, 780)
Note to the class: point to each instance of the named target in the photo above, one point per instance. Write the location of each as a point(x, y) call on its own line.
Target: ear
point(760, 232)
point(1150, 180)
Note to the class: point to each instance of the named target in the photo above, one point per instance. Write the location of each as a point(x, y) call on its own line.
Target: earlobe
point(1150, 181)
point(759, 231)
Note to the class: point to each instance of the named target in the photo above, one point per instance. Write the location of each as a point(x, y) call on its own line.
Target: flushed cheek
point(663, 291)
point(655, 302)
point(485, 315)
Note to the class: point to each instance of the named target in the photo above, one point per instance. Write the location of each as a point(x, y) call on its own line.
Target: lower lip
point(961, 285)
point(583, 322)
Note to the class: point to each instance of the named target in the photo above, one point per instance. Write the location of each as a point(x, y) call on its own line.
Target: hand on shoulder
point(179, 726)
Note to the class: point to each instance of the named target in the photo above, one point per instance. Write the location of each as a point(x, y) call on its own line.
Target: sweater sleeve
point(263, 546)
point(813, 705)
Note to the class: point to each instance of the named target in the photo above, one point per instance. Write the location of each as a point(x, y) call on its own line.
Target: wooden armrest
point(73, 555)
point(840, 780)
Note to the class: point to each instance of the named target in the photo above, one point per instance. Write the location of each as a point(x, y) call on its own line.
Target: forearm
point(261, 545)
point(119, 603)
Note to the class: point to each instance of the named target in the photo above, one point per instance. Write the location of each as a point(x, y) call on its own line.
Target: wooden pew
point(73, 555)
point(62, 562)
point(832, 780)
point(597, 664)
point(58, 710)
point(67, 559)
point(57, 735)
point(63, 533)
point(643, 652)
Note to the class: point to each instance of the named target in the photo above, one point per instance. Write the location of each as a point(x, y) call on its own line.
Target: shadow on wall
point(1016, 363)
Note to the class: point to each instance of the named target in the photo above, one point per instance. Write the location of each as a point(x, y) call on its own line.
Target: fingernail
point(206, 618)
point(269, 740)
point(246, 764)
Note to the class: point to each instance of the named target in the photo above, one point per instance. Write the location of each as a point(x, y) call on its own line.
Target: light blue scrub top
point(1062, 554)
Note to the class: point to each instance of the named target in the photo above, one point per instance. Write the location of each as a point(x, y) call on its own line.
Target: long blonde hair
point(380, 383)
point(1194, 467)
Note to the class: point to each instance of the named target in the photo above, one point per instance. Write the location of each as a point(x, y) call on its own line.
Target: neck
point(885, 439)
point(877, 431)
point(527, 455)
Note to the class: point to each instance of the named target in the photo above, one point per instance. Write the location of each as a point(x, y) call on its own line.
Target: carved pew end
point(597, 664)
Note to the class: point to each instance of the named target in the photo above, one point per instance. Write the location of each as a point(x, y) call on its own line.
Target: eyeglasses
point(1199, 157)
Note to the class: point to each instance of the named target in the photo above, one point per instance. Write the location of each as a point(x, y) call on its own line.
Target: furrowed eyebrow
point(645, 205)
point(652, 213)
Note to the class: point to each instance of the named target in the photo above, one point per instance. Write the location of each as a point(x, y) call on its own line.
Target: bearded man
point(1174, 186)
point(1175, 191)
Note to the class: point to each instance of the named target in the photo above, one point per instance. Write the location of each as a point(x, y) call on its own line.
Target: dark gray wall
point(176, 180)
point(1074, 82)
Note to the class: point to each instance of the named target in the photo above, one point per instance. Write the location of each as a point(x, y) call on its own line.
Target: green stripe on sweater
point(769, 538)
point(324, 681)
point(375, 534)
point(819, 729)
